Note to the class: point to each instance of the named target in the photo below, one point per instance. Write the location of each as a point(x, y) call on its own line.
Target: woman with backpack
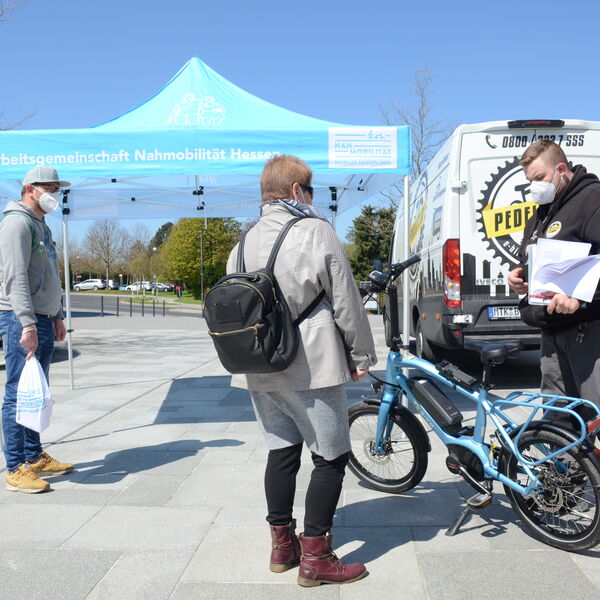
point(306, 402)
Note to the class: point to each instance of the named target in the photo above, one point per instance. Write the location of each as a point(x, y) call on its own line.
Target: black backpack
point(249, 320)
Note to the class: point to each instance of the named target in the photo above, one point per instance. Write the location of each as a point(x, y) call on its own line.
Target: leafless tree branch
point(7, 6)
point(428, 134)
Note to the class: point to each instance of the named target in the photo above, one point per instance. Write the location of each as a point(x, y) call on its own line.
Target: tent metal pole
point(333, 206)
point(65, 212)
point(405, 280)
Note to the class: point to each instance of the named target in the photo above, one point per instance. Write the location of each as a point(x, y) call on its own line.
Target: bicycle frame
point(485, 408)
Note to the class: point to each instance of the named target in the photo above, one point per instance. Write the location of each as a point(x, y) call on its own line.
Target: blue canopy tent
point(197, 148)
point(200, 143)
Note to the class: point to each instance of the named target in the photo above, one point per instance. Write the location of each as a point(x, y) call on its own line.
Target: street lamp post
point(154, 250)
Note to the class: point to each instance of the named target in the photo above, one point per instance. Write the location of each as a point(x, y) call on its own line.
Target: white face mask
point(542, 192)
point(49, 201)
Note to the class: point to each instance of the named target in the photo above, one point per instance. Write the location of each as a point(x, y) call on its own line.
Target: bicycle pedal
point(479, 501)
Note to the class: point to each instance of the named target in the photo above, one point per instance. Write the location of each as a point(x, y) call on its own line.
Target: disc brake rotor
point(376, 457)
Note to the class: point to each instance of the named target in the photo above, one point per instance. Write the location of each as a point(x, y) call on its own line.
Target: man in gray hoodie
point(31, 318)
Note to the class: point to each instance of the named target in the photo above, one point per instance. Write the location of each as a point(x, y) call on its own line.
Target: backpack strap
point(241, 265)
point(279, 241)
point(309, 309)
point(32, 229)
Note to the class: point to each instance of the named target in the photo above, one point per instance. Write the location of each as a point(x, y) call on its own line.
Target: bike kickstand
point(453, 530)
point(476, 502)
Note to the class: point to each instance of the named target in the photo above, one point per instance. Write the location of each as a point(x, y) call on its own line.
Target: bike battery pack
point(437, 404)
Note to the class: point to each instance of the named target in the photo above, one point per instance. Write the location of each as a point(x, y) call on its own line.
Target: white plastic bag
point(34, 401)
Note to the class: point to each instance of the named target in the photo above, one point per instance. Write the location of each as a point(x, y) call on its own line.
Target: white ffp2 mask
point(49, 201)
point(542, 192)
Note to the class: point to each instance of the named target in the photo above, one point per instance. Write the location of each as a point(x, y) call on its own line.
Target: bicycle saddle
point(494, 352)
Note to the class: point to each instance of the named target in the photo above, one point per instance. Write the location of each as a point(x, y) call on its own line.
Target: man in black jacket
point(568, 209)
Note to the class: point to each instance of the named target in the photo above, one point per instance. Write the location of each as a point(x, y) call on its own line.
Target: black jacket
point(576, 216)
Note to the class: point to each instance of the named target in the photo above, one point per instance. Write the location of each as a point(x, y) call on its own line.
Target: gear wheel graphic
point(497, 245)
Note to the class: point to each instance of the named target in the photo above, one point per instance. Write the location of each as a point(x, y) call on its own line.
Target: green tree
point(180, 254)
point(371, 234)
point(160, 237)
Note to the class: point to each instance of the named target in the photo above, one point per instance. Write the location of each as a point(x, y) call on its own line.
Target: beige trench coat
point(336, 336)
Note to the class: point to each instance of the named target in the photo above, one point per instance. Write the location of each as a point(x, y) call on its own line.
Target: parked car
point(90, 284)
point(139, 286)
point(163, 287)
point(113, 285)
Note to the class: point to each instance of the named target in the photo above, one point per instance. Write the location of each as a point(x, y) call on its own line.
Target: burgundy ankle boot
point(285, 552)
point(320, 565)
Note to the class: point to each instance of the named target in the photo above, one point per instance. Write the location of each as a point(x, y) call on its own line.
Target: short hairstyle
point(280, 174)
point(553, 153)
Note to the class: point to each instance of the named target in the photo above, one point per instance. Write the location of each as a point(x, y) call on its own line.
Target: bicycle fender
point(403, 413)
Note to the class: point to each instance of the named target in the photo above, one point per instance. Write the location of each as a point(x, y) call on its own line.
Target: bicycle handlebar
point(378, 280)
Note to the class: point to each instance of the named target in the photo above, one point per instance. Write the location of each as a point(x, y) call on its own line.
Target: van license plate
point(496, 313)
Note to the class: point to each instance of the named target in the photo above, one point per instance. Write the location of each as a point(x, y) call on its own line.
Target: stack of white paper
point(559, 267)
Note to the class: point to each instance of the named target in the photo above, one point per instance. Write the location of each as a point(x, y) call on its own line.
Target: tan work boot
point(25, 480)
point(49, 465)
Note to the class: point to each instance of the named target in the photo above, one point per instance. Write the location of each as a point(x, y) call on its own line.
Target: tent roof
point(198, 96)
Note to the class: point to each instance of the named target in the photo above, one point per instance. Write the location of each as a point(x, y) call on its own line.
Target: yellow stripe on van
point(418, 224)
point(508, 219)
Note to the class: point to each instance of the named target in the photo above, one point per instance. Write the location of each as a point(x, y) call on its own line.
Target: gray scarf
point(299, 209)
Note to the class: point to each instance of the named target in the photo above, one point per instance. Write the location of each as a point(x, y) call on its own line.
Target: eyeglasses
point(308, 188)
point(50, 187)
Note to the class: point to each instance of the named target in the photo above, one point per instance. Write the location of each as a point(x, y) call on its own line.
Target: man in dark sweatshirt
point(568, 201)
point(31, 318)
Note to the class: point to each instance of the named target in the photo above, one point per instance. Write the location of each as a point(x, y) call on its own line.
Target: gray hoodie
point(29, 279)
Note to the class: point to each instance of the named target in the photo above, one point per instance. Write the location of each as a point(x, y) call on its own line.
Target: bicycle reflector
point(451, 260)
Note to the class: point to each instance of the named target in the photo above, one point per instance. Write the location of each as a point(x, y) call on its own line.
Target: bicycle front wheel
point(403, 463)
point(566, 514)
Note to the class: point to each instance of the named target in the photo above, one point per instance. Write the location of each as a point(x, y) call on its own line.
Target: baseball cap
point(43, 174)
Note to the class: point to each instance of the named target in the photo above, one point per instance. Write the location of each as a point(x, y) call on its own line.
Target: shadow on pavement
point(120, 463)
point(490, 522)
point(203, 400)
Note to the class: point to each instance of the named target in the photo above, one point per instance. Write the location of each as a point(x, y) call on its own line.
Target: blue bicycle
point(547, 464)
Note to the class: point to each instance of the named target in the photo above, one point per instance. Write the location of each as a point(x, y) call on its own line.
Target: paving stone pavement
point(167, 500)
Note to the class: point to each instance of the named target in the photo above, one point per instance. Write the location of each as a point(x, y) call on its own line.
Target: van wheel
point(422, 347)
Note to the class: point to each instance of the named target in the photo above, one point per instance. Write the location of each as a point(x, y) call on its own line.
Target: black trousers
point(322, 494)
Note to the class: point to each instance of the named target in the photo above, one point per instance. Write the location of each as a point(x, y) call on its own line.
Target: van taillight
point(451, 260)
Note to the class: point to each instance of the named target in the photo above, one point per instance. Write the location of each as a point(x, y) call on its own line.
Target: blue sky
point(76, 63)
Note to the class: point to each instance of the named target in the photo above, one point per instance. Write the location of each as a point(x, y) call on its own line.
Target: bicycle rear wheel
point(566, 514)
point(403, 464)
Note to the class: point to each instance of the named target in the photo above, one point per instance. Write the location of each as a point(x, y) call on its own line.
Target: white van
point(468, 211)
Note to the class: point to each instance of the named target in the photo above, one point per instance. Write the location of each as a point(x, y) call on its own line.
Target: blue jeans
point(20, 443)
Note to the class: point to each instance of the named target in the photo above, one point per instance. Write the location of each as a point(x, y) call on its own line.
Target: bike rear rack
point(544, 403)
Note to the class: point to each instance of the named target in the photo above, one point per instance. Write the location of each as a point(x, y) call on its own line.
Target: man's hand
point(516, 282)
point(358, 374)
point(563, 304)
point(60, 333)
point(29, 341)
